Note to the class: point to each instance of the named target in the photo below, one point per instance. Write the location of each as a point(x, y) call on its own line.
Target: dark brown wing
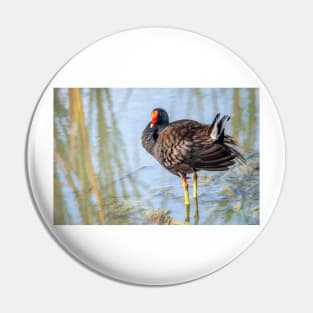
point(214, 157)
point(185, 146)
point(209, 150)
point(174, 145)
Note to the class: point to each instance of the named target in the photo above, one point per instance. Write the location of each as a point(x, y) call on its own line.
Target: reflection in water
point(102, 175)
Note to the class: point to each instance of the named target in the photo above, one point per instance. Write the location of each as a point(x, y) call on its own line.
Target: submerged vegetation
point(103, 176)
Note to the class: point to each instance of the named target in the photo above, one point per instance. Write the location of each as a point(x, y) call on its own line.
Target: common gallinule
point(187, 146)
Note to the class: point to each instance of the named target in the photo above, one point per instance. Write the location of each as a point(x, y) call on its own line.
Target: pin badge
point(155, 156)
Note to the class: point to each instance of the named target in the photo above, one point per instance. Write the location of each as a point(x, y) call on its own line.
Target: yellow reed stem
point(75, 97)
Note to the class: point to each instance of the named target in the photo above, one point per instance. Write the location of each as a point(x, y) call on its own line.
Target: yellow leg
point(186, 194)
point(195, 185)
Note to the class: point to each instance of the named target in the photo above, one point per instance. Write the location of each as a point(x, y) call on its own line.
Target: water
point(102, 175)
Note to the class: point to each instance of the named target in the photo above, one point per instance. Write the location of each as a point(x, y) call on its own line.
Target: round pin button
point(155, 156)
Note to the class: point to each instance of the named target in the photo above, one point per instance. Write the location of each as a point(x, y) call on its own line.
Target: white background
point(274, 38)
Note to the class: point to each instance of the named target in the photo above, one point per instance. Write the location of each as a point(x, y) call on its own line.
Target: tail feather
point(217, 133)
point(217, 128)
point(222, 123)
point(213, 130)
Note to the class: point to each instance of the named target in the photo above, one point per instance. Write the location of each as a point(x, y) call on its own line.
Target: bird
point(187, 146)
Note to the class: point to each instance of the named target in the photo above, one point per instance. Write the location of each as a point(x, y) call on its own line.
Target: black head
point(159, 117)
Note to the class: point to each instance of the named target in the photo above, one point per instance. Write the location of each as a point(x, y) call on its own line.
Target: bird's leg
point(186, 194)
point(195, 185)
